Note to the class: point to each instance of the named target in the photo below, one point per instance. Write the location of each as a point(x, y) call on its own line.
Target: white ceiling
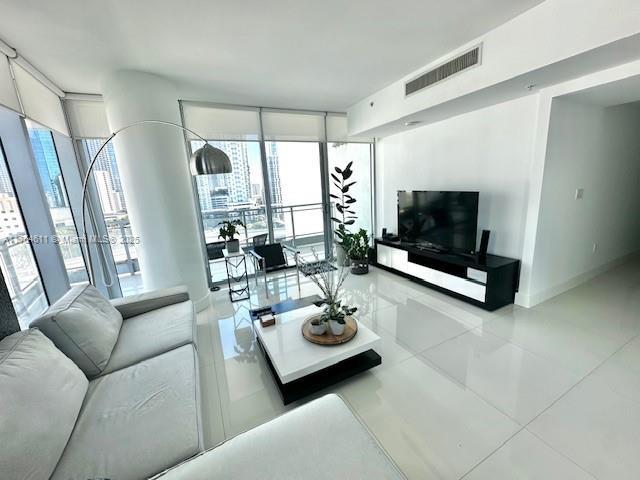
point(316, 54)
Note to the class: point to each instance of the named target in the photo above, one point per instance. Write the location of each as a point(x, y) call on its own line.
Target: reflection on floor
point(551, 392)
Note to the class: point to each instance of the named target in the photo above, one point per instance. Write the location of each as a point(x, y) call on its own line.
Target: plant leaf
point(349, 222)
point(349, 185)
point(347, 174)
point(350, 200)
point(338, 170)
point(334, 196)
point(348, 167)
point(335, 177)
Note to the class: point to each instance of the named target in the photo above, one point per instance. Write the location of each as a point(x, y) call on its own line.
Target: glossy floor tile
point(551, 392)
point(550, 335)
point(596, 428)
point(431, 426)
point(525, 457)
point(519, 383)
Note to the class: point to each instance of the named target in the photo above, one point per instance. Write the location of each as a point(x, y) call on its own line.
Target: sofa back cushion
point(41, 392)
point(84, 326)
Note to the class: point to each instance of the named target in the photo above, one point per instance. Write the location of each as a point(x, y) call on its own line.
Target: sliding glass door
point(122, 242)
point(235, 196)
point(296, 195)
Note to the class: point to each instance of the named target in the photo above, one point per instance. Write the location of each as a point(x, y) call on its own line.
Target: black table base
point(300, 388)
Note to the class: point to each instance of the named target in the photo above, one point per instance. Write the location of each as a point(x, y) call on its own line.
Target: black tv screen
point(445, 220)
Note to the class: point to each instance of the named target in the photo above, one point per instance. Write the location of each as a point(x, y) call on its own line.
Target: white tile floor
point(551, 392)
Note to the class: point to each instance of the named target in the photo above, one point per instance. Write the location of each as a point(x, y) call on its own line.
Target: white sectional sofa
point(110, 390)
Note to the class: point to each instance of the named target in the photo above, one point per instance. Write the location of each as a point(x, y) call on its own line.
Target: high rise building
point(106, 162)
point(5, 180)
point(236, 189)
point(273, 165)
point(109, 198)
point(46, 157)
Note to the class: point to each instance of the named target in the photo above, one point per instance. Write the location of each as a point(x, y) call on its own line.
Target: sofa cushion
point(152, 333)
point(137, 421)
point(41, 392)
point(84, 326)
point(321, 440)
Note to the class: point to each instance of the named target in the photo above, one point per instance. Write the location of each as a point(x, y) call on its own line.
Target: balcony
point(300, 226)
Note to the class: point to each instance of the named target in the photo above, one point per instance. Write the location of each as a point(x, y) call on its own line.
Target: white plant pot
point(318, 329)
point(233, 246)
point(336, 328)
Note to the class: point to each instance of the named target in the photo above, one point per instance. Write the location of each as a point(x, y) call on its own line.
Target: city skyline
point(243, 187)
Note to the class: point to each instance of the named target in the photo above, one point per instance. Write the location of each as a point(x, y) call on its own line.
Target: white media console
point(489, 282)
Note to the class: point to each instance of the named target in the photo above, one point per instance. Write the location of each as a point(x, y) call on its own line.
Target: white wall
point(488, 150)
point(597, 149)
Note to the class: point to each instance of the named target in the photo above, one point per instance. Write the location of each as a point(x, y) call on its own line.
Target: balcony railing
point(298, 225)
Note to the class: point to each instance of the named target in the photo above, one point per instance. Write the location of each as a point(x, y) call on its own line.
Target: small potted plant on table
point(228, 231)
point(359, 252)
point(335, 313)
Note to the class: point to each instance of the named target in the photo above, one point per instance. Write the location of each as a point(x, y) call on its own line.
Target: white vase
point(319, 329)
point(336, 327)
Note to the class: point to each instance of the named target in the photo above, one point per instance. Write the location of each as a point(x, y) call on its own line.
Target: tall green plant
point(344, 204)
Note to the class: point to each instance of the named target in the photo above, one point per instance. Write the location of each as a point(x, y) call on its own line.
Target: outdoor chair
point(273, 257)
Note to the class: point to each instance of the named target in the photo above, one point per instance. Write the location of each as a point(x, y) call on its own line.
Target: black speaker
point(384, 232)
point(484, 243)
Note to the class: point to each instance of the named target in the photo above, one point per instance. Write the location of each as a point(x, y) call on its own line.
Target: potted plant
point(228, 231)
point(344, 206)
point(359, 252)
point(317, 326)
point(335, 313)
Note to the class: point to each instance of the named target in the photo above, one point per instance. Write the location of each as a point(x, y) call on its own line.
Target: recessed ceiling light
point(412, 123)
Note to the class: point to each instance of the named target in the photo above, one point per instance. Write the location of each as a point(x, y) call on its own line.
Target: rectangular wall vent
point(444, 71)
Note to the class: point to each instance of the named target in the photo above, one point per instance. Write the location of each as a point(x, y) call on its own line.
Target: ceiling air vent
point(444, 71)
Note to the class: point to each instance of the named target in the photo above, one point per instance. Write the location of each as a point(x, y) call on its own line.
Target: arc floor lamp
point(207, 160)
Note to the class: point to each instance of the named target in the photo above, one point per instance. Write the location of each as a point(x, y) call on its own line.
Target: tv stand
point(489, 281)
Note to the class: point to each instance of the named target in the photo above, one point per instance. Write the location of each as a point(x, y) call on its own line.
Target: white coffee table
point(301, 367)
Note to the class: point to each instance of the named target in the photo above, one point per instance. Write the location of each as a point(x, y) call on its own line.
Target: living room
point(336, 240)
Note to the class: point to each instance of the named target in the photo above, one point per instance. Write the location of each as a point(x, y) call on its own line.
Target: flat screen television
point(442, 220)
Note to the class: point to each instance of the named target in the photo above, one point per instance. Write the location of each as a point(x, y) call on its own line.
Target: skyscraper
point(273, 165)
point(46, 157)
point(106, 162)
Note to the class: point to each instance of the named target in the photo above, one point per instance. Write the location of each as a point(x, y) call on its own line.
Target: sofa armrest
point(309, 435)
point(148, 301)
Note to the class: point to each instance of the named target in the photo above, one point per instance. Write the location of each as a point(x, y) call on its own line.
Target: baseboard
point(539, 297)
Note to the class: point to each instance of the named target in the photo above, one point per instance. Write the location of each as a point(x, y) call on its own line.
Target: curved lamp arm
point(85, 185)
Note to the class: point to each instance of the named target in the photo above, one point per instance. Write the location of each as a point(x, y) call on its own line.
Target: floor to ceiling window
point(280, 161)
point(53, 185)
point(16, 256)
point(106, 176)
point(296, 194)
point(235, 196)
